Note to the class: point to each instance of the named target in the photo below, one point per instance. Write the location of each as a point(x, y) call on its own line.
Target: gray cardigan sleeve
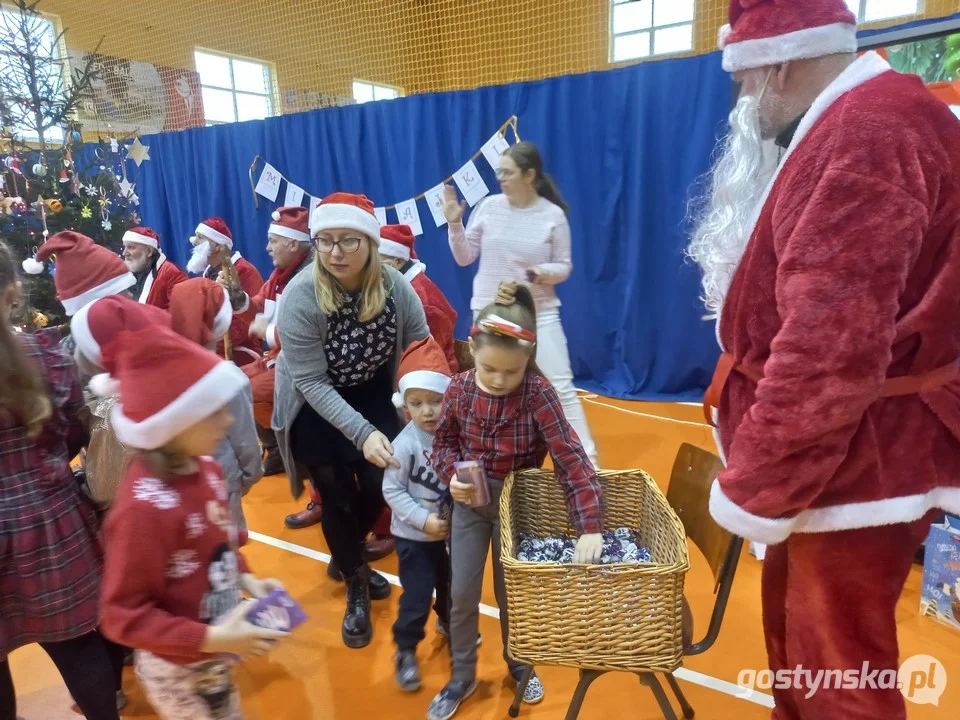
point(243, 438)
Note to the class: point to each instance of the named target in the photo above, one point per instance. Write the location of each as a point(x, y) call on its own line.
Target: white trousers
point(553, 359)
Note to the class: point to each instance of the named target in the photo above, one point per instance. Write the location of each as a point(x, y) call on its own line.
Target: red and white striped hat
point(346, 211)
point(291, 222)
point(216, 229)
point(142, 236)
point(769, 32)
point(397, 241)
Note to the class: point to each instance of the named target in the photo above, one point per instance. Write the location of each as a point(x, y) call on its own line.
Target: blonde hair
point(23, 391)
point(373, 294)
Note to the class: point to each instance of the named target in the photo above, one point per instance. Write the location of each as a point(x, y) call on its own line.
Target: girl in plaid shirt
point(507, 416)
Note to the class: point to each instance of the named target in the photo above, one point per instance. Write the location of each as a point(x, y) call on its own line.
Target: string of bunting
point(467, 179)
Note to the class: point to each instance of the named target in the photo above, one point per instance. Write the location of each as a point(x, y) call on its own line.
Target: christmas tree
point(52, 179)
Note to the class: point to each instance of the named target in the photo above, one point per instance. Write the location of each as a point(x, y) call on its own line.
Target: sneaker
point(445, 705)
point(534, 692)
point(407, 672)
point(444, 631)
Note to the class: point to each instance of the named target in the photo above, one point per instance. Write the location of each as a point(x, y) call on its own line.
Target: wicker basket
point(623, 617)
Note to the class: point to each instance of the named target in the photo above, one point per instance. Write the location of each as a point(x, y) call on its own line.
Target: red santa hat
point(346, 211)
point(85, 271)
point(166, 385)
point(142, 236)
point(397, 241)
point(96, 324)
point(215, 229)
point(769, 32)
point(200, 310)
point(422, 367)
point(291, 222)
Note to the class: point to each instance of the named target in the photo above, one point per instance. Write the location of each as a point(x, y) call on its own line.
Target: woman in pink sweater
point(523, 235)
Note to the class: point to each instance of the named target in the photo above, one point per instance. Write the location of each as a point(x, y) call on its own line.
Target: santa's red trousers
point(829, 602)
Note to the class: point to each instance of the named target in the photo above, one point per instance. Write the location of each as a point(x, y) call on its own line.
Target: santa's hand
point(238, 636)
point(258, 328)
point(589, 549)
point(461, 492)
point(378, 450)
point(259, 587)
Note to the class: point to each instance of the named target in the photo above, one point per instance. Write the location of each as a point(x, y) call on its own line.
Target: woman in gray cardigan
point(343, 328)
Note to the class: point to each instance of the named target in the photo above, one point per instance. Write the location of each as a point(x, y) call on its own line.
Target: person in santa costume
point(288, 244)
point(155, 274)
point(212, 244)
point(200, 311)
point(174, 579)
point(834, 282)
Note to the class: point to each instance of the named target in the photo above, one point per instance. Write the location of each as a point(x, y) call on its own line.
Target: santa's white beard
point(200, 258)
point(737, 182)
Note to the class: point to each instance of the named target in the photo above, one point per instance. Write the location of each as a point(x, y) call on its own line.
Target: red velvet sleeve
point(441, 326)
point(252, 282)
point(841, 270)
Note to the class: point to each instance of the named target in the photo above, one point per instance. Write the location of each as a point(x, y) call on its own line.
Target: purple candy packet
point(277, 611)
point(470, 472)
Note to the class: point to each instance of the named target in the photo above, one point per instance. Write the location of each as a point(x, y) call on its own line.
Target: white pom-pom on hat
point(104, 386)
point(398, 401)
point(32, 266)
point(276, 216)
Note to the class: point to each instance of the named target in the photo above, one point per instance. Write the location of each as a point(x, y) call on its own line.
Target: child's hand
point(435, 526)
point(238, 636)
point(461, 492)
point(589, 549)
point(256, 587)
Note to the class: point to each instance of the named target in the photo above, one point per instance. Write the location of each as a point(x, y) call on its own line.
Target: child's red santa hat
point(422, 367)
point(200, 310)
point(214, 229)
point(291, 222)
point(142, 236)
point(770, 32)
point(85, 271)
point(346, 211)
point(167, 384)
point(96, 325)
point(396, 241)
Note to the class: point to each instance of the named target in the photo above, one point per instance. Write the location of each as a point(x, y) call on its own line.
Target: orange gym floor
point(312, 675)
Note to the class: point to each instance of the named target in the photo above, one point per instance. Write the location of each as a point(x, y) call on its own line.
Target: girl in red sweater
point(173, 577)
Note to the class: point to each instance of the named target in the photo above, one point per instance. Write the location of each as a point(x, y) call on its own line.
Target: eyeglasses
point(347, 245)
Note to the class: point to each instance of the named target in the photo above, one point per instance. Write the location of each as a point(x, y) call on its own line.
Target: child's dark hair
point(527, 157)
point(514, 303)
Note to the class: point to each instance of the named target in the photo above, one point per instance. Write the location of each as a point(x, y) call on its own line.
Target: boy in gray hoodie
point(417, 497)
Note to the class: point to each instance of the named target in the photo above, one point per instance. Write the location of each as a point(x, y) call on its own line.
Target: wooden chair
point(461, 349)
point(694, 471)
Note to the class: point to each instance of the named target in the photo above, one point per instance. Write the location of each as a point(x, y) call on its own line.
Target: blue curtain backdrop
point(624, 145)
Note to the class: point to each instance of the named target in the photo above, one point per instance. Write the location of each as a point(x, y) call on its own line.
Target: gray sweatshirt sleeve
point(396, 483)
point(243, 438)
point(303, 330)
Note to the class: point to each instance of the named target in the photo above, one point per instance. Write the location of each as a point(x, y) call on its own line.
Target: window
point(32, 36)
point(876, 10)
point(364, 92)
point(234, 89)
point(643, 28)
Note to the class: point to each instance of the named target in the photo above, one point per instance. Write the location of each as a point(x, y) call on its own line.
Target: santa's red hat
point(397, 241)
point(215, 229)
point(770, 32)
point(291, 222)
point(200, 310)
point(166, 384)
point(142, 236)
point(97, 324)
point(345, 211)
point(85, 271)
point(422, 367)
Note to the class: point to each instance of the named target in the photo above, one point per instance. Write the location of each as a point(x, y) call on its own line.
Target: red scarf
point(279, 278)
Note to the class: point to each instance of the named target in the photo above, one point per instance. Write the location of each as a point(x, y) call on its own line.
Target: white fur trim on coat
point(722, 34)
point(344, 217)
point(210, 393)
point(394, 249)
point(798, 45)
point(221, 323)
point(134, 237)
point(113, 286)
point(215, 235)
point(745, 524)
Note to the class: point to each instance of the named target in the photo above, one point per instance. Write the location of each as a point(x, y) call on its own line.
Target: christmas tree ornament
point(107, 225)
point(86, 213)
point(75, 136)
point(39, 170)
point(138, 152)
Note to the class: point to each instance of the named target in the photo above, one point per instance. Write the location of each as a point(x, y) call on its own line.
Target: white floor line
point(691, 676)
point(587, 399)
point(588, 395)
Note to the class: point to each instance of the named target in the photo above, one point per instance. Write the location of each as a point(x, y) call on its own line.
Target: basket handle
point(506, 537)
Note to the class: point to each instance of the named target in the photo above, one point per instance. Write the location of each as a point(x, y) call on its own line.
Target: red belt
point(892, 387)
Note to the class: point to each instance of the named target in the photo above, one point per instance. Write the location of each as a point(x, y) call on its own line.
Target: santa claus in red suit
point(396, 249)
point(212, 243)
point(834, 280)
point(156, 275)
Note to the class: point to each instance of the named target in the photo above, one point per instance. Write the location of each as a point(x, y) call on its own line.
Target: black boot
point(272, 463)
point(379, 585)
point(357, 630)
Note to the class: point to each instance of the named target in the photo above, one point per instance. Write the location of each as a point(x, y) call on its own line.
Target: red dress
point(50, 556)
